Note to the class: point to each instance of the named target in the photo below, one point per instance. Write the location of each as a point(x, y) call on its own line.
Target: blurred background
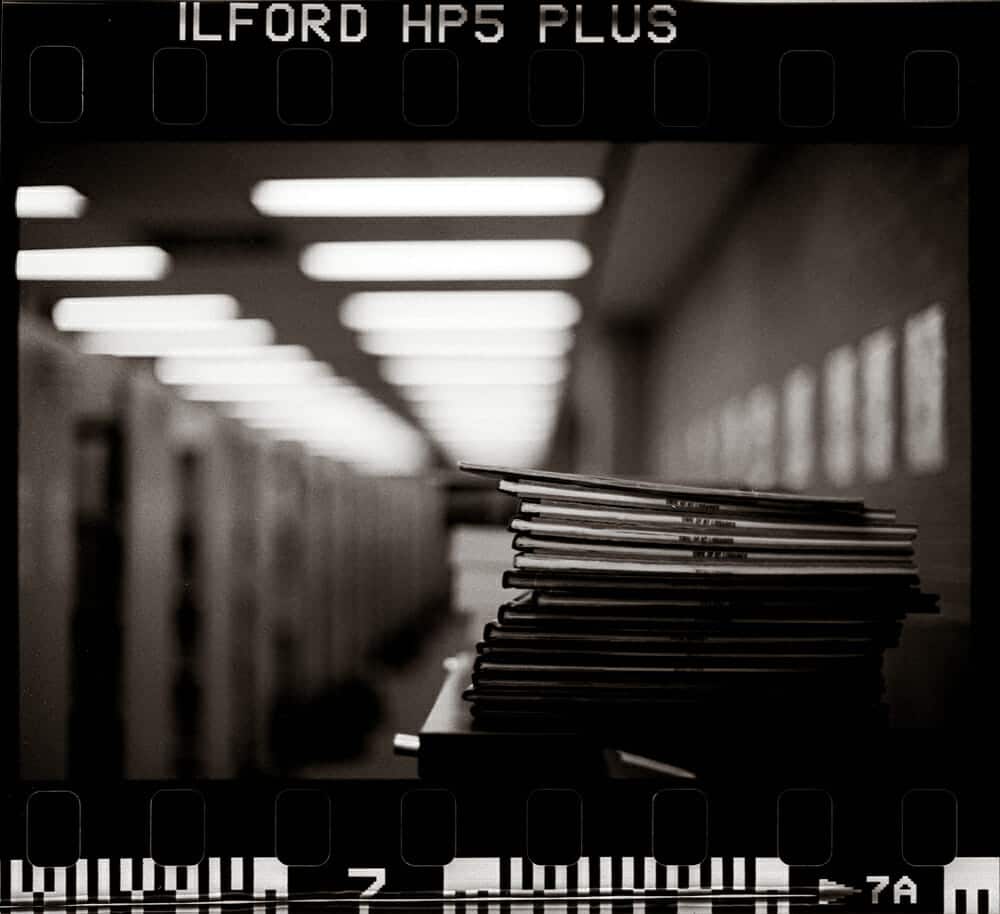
point(247, 372)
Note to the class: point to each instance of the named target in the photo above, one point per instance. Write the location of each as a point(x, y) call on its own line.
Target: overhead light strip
point(450, 310)
point(150, 342)
point(405, 372)
point(49, 201)
point(428, 197)
point(97, 264)
point(236, 371)
point(447, 344)
point(445, 261)
point(117, 312)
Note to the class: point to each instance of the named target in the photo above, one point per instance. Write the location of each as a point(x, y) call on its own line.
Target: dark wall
point(821, 343)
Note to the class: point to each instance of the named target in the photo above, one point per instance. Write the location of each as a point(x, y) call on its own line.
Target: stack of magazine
point(643, 604)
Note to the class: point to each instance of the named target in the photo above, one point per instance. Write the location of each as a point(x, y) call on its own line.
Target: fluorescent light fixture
point(316, 413)
point(261, 352)
point(234, 396)
point(145, 342)
point(520, 457)
point(343, 439)
point(49, 201)
point(244, 354)
point(428, 197)
point(341, 412)
point(117, 312)
point(404, 372)
point(498, 446)
point(445, 261)
point(518, 344)
point(195, 371)
point(475, 394)
point(360, 431)
point(489, 413)
point(128, 262)
point(476, 435)
point(522, 432)
point(488, 416)
point(372, 459)
point(537, 310)
point(457, 443)
point(535, 443)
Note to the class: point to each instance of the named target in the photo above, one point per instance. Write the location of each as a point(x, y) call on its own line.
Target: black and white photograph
point(377, 459)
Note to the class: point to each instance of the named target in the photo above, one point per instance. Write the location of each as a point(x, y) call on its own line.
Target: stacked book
point(643, 604)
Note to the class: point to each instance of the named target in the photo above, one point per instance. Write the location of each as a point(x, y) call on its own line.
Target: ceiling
point(193, 199)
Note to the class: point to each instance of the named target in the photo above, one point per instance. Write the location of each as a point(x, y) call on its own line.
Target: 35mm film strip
point(866, 833)
point(631, 847)
point(689, 71)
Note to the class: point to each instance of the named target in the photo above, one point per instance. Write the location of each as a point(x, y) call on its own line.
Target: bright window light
point(523, 344)
point(49, 201)
point(373, 197)
point(404, 372)
point(85, 264)
point(537, 310)
point(146, 342)
point(426, 261)
point(126, 311)
point(188, 371)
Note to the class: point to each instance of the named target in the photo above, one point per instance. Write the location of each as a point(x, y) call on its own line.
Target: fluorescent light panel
point(128, 311)
point(247, 356)
point(186, 371)
point(262, 352)
point(313, 414)
point(233, 396)
point(128, 262)
point(49, 201)
point(404, 372)
point(428, 261)
point(146, 342)
point(346, 440)
point(527, 432)
point(537, 310)
point(428, 197)
point(343, 411)
point(498, 445)
point(487, 414)
point(462, 394)
point(484, 433)
point(512, 458)
point(523, 344)
point(327, 393)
